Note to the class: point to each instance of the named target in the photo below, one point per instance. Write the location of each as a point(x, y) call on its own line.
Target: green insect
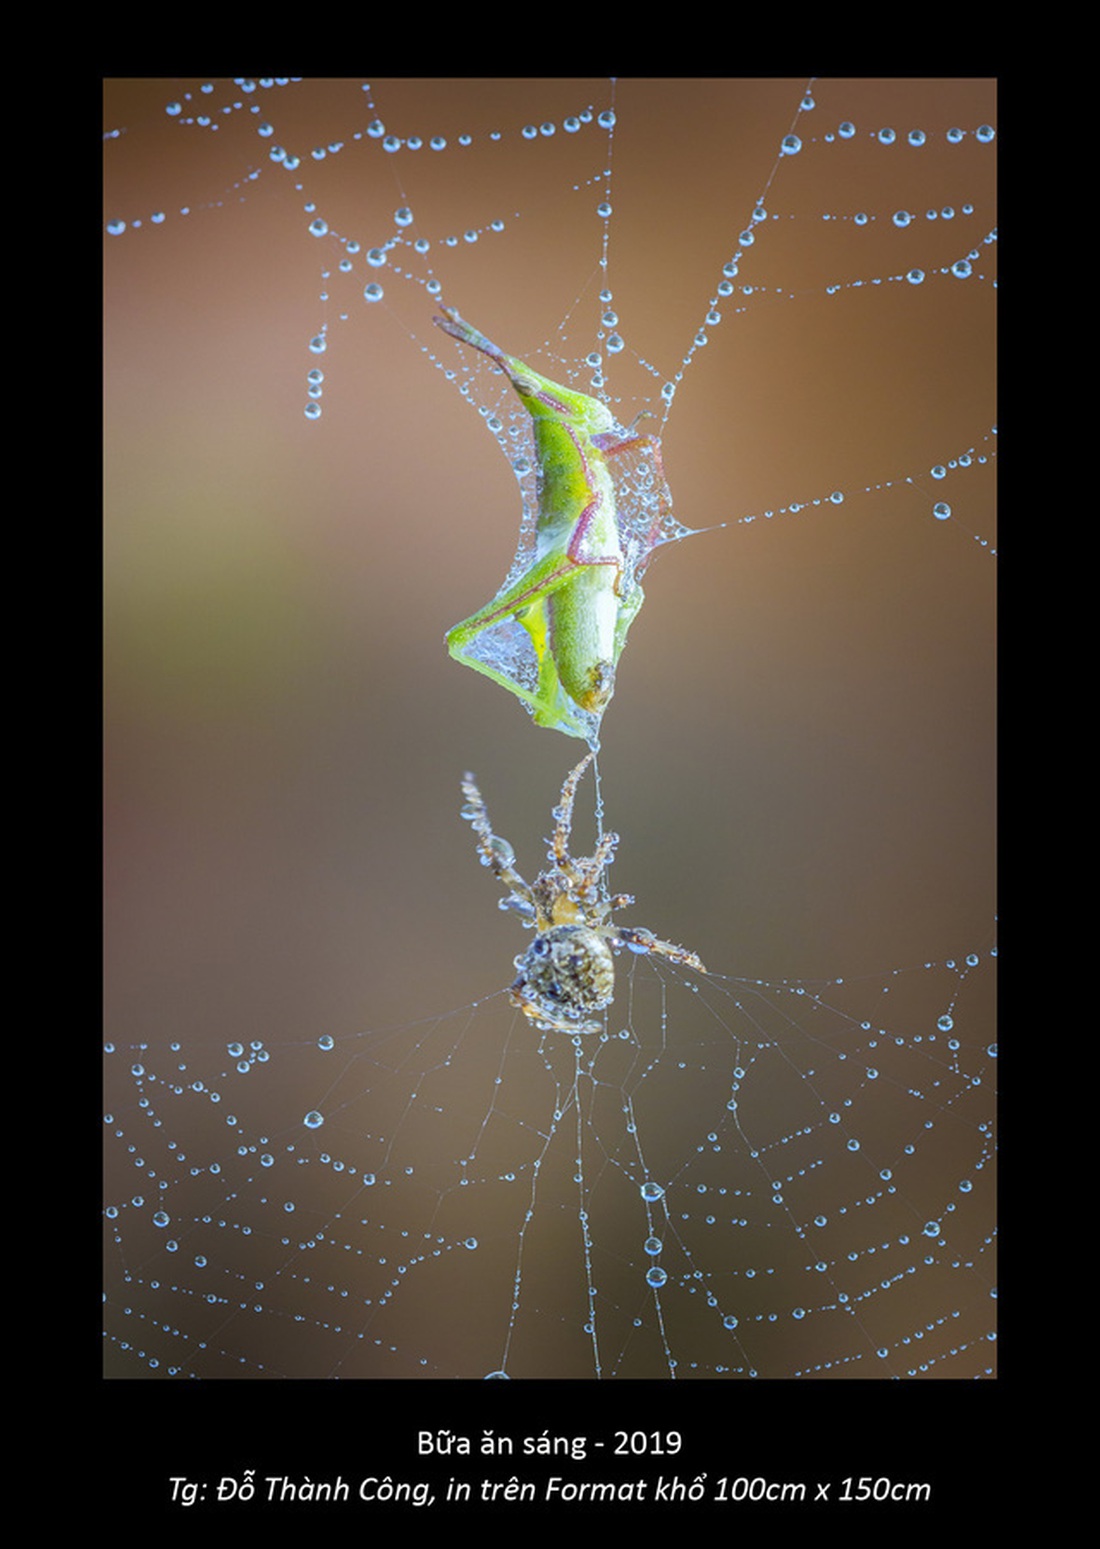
point(582, 590)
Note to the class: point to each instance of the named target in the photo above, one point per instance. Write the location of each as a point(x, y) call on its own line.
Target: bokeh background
point(800, 753)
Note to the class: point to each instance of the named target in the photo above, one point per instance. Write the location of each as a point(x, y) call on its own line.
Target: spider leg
point(563, 813)
point(641, 940)
point(584, 874)
point(611, 444)
point(588, 872)
point(496, 853)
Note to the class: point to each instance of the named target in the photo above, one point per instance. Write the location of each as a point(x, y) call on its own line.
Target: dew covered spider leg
point(563, 813)
point(495, 852)
point(591, 869)
point(638, 939)
point(585, 873)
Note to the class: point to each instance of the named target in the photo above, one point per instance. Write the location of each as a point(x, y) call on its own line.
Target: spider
point(567, 973)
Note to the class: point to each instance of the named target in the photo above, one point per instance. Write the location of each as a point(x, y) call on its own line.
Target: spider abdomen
point(567, 971)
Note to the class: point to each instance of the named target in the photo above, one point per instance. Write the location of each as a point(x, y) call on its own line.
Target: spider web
point(782, 1170)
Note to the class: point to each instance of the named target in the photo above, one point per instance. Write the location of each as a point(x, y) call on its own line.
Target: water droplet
point(790, 145)
point(656, 1277)
point(652, 1191)
point(313, 1119)
point(373, 292)
point(941, 511)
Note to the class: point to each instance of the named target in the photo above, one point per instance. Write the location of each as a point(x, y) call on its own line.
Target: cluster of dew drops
point(186, 111)
point(379, 257)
